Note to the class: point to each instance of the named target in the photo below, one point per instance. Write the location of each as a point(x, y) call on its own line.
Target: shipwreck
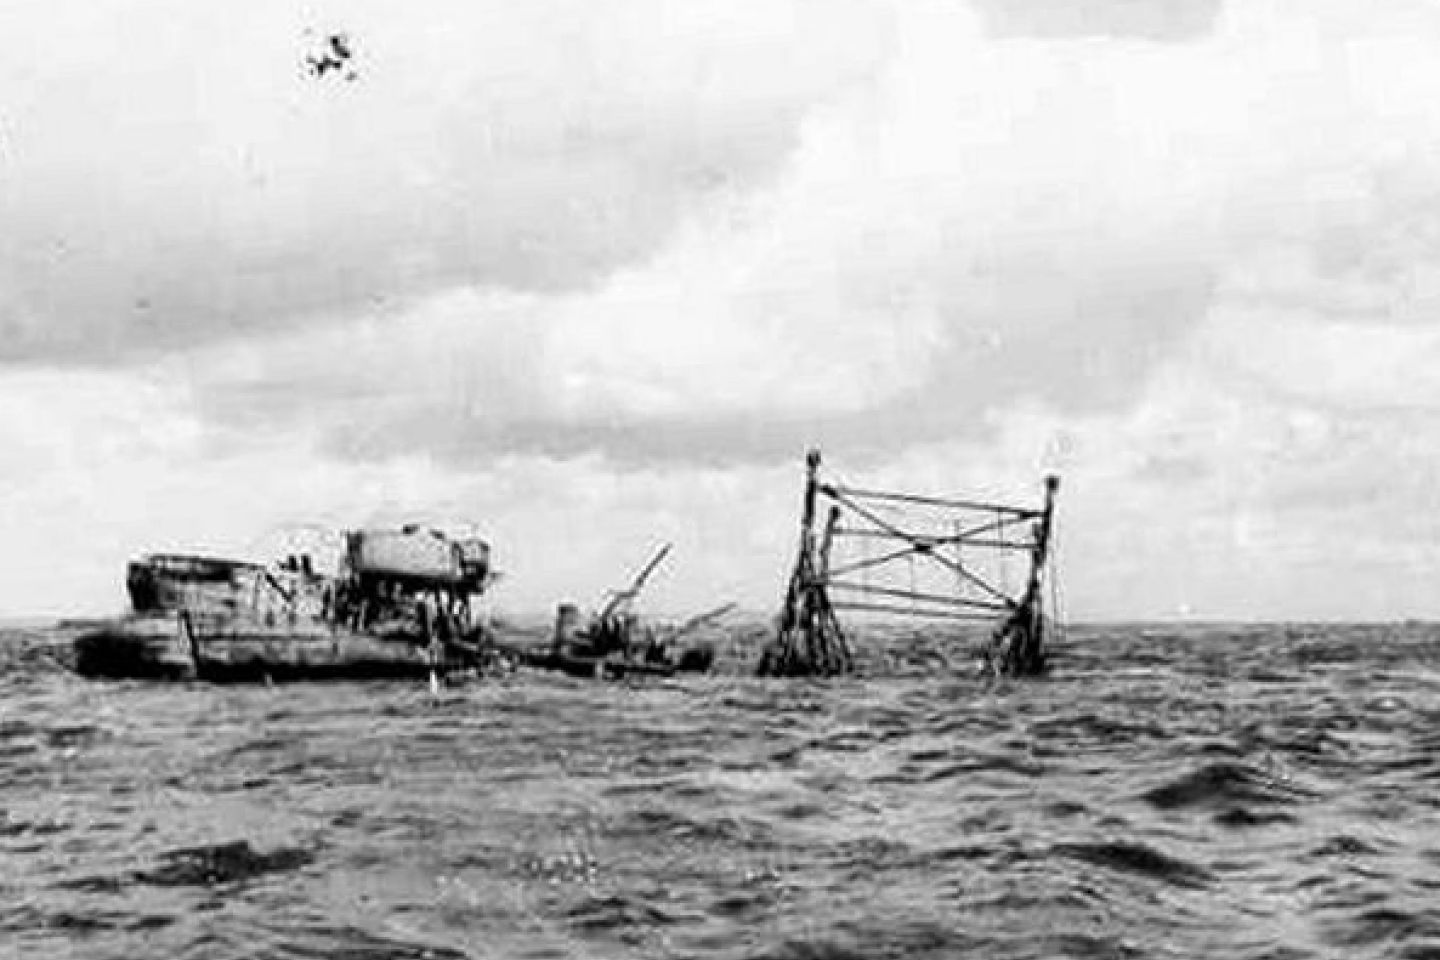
point(615, 642)
point(401, 603)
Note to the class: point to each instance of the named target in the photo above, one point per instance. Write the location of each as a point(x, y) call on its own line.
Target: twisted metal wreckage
point(403, 603)
point(963, 541)
point(614, 643)
point(406, 602)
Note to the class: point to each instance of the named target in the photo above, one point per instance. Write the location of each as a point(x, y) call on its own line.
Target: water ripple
point(1259, 792)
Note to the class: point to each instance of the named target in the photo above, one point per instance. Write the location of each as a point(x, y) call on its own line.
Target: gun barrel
point(636, 585)
point(655, 561)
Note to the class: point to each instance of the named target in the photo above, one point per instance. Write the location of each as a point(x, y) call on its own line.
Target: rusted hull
point(241, 651)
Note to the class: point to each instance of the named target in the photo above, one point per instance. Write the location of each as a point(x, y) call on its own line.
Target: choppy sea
point(1199, 791)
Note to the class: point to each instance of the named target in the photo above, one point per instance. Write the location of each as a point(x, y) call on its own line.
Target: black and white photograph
point(719, 479)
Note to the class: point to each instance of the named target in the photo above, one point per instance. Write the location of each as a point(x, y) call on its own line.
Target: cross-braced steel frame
point(811, 641)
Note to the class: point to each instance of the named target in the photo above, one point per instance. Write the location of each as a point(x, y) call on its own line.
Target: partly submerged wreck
point(909, 555)
point(402, 603)
point(615, 643)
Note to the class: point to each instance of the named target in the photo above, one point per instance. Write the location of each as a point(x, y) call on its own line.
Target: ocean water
point(1235, 792)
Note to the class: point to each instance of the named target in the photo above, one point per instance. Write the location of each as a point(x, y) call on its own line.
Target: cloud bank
point(173, 175)
point(1184, 252)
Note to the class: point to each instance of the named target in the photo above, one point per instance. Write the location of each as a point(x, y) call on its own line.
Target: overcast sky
point(594, 275)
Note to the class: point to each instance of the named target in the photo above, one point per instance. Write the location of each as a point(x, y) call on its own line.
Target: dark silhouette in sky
point(335, 55)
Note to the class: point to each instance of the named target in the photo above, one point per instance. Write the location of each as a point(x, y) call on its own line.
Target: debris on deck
point(400, 603)
point(615, 642)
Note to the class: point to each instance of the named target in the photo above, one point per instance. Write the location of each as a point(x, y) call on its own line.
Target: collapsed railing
point(959, 534)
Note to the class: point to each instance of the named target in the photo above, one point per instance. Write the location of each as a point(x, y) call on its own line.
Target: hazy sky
point(594, 275)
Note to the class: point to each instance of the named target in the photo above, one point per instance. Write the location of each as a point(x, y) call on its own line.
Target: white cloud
point(597, 277)
point(171, 173)
point(104, 470)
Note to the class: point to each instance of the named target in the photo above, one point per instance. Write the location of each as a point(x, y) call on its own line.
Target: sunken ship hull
point(400, 606)
point(239, 650)
point(614, 645)
point(617, 666)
